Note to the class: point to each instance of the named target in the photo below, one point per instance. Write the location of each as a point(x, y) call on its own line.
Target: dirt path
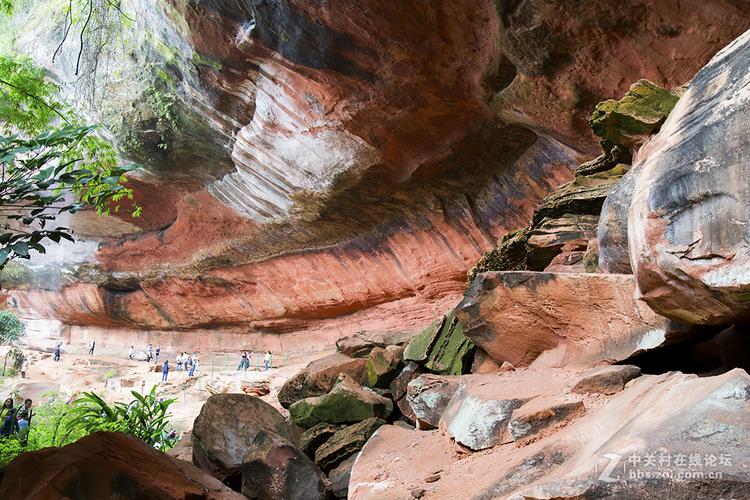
point(112, 375)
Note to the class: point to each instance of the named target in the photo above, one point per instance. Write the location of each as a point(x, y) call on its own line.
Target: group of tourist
point(16, 421)
point(188, 363)
point(245, 361)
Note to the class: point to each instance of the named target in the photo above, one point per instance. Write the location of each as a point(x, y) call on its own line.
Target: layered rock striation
point(355, 159)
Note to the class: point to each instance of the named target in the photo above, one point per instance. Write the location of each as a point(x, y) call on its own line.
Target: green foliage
point(27, 103)
point(40, 173)
point(146, 417)
point(11, 328)
point(50, 426)
point(57, 423)
point(48, 169)
point(6, 7)
point(10, 448)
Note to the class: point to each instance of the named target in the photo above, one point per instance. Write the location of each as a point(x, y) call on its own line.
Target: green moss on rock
point(419, 348)
point(509, 255)
point(382, 367)
point(442, 347)
point(639, 113)
point(347, 403)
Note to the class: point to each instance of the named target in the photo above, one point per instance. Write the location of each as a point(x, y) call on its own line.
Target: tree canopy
point(11, 328)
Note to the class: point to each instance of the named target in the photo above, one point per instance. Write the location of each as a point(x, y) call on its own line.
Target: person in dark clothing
point(8, 415)
point(24, 421)
point(57, 351)
point(165, 370)
point(156, 356)
point(244, 362)
point(92, 346)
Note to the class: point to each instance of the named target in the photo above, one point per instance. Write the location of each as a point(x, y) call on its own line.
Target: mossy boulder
point(319, 377)
point(346, 443)
point(442, 347)
point(509, 255)
point(347, 403)
point(637, 115)
point(382, 367)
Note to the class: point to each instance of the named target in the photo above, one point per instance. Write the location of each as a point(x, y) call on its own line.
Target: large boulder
point(637, 443)
point(688, 223)
point(629, 121)
point(479, 412)
point(612, 233)
point(360, 344)
point(347, 403)
point(428, 396)
point(226, 427)
point(442, 347)
point(108, 465)
point(345, 443)
point(319, 376)
point(515, 316)
point(274, 469)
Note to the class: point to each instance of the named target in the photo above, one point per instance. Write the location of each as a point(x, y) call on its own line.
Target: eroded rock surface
point(674, 414)
point(343, 145)
point(347, 403)
point(274, 469)
point(690, 208)
point(515, 316)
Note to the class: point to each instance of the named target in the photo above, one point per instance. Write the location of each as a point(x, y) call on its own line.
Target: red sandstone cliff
point(378, 148)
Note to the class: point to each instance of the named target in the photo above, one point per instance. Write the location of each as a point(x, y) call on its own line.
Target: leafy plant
point(50, 163)
point(11, 328)
point(50, 427)
point(10, 448)
point(146, 417)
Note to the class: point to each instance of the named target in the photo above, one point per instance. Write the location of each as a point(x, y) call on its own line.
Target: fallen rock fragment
point(592, 316)
point(319, 377)
point(274, 469)
point(345, 443)
point(313, 437)
point(348, 402)
point(382, 367)
point(606, 379)
point(429, 395)
point(442, 347)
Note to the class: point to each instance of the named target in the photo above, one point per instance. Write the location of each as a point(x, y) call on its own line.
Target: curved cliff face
point(354, 159)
